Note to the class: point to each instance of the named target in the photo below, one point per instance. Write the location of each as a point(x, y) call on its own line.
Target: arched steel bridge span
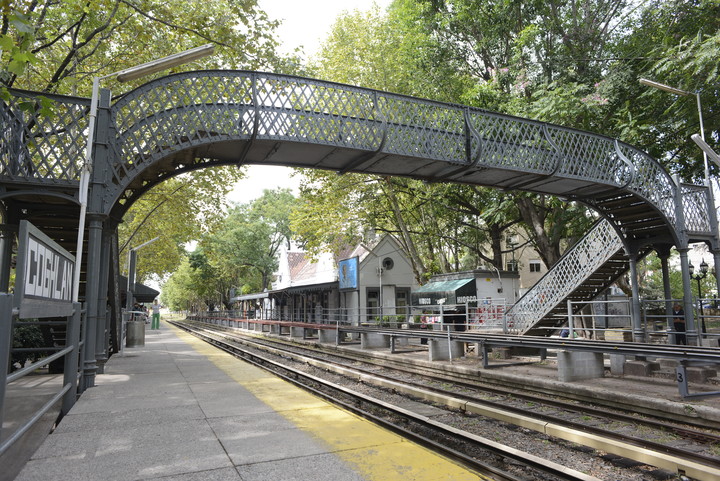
point(245, 117)
point(193, 120)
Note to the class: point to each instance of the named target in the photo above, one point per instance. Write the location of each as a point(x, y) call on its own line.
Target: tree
point(441, 227)
point(250, 239)
point(177, 211)
point(57, 46)
point(675, 43)
point(182, 289)
point(240, 252)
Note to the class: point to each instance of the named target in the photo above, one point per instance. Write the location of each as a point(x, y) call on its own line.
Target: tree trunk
point(416, 261)
point(533, 215)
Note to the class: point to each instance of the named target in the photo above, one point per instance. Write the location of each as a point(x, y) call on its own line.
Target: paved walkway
point(178, 409)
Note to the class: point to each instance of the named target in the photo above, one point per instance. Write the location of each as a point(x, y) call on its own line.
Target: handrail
point(72, 373)
point(35, 418)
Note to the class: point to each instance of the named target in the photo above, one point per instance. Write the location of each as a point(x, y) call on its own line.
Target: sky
point(305, 23)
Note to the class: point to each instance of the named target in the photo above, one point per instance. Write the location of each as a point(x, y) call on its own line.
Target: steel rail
point(641, 450)
point(549, 467)
point(462, 381)
point(682, 352)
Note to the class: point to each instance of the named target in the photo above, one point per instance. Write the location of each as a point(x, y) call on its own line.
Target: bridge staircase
point(582, 273)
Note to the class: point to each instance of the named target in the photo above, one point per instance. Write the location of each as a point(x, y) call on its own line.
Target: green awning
point(454, 291)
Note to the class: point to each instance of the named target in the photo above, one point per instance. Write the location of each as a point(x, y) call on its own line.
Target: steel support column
point(716, 262)
point(114, 291)
point(664, 255)
point(101, 343)
point(6, 335)
point(92, 279)
point(691, 332)
point(99, 173)
point(715, 242)
point(683, 248)
point(638, 332)
point(6, 251)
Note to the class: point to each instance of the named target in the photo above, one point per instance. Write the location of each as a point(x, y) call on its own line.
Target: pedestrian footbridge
point(193, 120)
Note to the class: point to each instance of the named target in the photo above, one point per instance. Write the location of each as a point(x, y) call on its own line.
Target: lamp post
point(683, 254)
point(512, 244)
point(125, 75)
point(132, 261)
point(699, 276)
point(684, 93)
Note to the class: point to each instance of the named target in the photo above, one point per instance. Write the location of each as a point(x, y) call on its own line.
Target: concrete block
point(617, 364)
point(328, 336)
point(369, 340)
point(618, 336)
point(666, 363)
point(710, 342)
point(523, 351)
point(700, 374)
point(502, 353)
point(297, 332)
point(641, 368)
point(440, 350)
point(577, 366)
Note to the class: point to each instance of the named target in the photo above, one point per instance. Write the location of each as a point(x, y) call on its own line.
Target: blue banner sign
point(348, 273)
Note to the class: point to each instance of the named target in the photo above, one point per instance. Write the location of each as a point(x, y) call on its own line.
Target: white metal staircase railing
point(576, 266)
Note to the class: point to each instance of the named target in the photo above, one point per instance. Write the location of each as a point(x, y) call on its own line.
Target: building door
point(402, 301)
point(373, 304)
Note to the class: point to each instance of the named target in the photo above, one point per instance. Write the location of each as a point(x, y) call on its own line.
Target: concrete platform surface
point(178, 409)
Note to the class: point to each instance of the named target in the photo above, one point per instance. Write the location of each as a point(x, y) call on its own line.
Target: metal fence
point(607, 320)
point(70, 352)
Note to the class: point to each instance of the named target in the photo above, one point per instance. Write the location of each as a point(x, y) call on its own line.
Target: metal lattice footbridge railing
point(599, 253)
point(188, 121)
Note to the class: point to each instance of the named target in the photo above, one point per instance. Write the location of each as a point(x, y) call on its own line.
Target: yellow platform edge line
point(375, 452)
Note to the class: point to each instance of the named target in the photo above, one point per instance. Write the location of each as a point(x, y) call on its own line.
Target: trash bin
point(134, 334)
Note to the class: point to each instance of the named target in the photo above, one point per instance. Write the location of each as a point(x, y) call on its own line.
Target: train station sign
point(44, 275)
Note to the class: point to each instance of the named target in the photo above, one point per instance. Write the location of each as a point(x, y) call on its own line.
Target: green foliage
point(177, 212)
point(651, 281)
point(183, 289)
point(26, 335)
point(238, 253)
point(387, 52)
point(57, 46)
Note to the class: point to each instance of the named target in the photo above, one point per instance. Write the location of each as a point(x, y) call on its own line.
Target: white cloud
point(307, 23)
point(304, 24)
point(260, 178)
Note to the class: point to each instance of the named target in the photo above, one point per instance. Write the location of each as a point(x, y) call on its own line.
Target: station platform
point(179, 409)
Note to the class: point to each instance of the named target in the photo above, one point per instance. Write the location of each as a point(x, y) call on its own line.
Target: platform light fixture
point(132, 267)
point(125, 75)
point(158, 65)
point(699, 276)
point(706, 148)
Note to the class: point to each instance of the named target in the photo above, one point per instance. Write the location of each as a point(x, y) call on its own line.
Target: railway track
point(588, 431)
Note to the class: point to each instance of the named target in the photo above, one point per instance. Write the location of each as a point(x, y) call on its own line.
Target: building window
point(388, 263)
point(534, 266)
point(512, 266)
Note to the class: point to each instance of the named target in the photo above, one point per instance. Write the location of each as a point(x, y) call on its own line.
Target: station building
point(360, 284)
point(374, 284)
